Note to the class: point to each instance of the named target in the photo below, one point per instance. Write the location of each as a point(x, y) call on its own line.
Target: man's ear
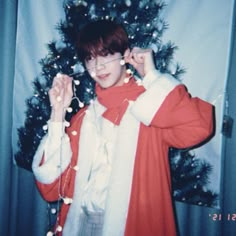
point(126, 53)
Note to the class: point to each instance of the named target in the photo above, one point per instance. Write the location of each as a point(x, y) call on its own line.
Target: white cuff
point(158, 86)
point(150, 77)
point(55, 147)
point(56, 129)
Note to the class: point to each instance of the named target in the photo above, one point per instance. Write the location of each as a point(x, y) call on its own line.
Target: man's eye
point(104, 53)
point(89, 59)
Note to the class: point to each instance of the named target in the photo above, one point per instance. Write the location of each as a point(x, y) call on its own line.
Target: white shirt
point(95, 191)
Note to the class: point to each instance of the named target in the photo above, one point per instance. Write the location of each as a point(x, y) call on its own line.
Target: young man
point(111, 166)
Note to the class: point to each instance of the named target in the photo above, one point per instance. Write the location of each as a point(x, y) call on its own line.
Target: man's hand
point(141, 60)
point(60, 96)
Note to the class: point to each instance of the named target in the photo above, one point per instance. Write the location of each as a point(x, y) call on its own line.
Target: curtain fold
point(194, 220)
point(8, 11)
point(23, 211)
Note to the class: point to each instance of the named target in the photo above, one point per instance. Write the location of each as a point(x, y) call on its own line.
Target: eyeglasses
point(92, 68)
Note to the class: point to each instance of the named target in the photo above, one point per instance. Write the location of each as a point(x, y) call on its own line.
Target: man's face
point(106, 70)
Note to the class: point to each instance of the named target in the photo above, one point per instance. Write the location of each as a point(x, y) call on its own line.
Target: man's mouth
point(103, 76)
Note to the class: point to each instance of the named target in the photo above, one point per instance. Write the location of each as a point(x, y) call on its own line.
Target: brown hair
point(101, 38)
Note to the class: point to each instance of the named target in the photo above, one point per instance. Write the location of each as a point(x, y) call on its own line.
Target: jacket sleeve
point(166, 104)
point(55, 162)
point(51, 160)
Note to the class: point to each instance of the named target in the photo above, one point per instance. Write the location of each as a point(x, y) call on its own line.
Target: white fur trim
point(150, 77)
point(87, 149)
point(158, 87)
point(123, 157)
point(121, 180)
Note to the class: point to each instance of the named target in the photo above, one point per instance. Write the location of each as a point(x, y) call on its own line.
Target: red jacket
point(181, 121)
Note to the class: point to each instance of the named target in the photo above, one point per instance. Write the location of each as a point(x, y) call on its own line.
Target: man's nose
point(99, 63)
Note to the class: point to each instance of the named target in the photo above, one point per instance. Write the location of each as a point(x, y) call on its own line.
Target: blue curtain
point(196, 221)
point(23, 212)
point(7, 48)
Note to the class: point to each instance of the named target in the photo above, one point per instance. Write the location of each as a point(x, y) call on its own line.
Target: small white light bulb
point(59, 99)
point(77, 82)
point(49, 233)
point(93, 74)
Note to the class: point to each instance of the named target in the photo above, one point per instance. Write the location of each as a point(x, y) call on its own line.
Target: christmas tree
point(145, 26)
point(190, 178)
